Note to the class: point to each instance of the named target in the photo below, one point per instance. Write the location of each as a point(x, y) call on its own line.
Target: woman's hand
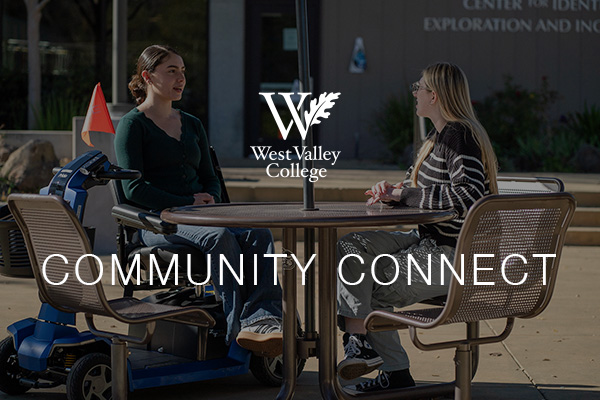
point(382, 191)
point(203, 198)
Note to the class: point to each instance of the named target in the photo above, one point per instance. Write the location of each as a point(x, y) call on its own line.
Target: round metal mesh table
point(326, 217)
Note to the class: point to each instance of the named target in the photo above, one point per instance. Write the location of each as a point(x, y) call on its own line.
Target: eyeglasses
point(416, 86)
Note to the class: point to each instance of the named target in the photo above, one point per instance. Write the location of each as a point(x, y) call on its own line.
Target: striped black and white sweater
point(452, 176)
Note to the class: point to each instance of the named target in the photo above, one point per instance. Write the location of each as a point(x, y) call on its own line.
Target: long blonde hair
point(450, 84)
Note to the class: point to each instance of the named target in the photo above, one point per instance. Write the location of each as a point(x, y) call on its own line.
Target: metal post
point(309, 288)
point(327, 349)
point(462, 359)
point(289, 317)
point(308, 187)
point(118, 355)
point(304, 71)
point(473, 333)
point(119, 56)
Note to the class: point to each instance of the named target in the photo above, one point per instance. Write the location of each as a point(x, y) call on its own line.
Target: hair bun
point(137, 89)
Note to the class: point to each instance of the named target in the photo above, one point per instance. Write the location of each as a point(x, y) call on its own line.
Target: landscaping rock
point(587, 158)
point(5, 151)
point(29, 167)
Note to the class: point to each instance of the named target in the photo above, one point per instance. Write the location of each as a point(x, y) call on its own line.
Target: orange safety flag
point(97, 118)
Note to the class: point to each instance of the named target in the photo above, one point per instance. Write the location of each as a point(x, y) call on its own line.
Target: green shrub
point(79, 85)
point(58, 111)
point(518, 120)
point(550, 153)
point(523, 132)
point(393, 123)
point(586, 124)
point(6, 187)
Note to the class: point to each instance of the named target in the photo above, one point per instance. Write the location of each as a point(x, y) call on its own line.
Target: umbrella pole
point(304, 72)
point(308, 187)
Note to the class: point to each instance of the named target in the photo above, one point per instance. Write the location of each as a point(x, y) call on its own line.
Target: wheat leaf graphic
point(317, 108)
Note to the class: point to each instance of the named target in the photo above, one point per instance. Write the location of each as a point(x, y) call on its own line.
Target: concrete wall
point(61, 140)
point(402, 37)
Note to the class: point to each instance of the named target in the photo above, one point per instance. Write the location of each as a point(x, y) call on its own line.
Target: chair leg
point(118, 353)
point(473, 333)
point(462, 360)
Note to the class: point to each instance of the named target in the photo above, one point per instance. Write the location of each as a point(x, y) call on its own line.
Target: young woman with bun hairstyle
point(170, 148)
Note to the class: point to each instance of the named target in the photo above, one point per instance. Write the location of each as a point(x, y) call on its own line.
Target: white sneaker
point(264, 338)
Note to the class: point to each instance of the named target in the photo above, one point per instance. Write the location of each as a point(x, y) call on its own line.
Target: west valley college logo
point(311, 117)
point(317, 111)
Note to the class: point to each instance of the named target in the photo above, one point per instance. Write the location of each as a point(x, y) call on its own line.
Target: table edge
point(431, 216)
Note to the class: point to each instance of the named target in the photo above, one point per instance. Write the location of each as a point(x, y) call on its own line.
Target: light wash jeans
point(243, 304)
point(357, 301)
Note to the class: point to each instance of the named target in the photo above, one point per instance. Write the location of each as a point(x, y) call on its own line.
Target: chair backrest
point(217, 168)
point(518, 184)
point(118, 195)
point(14, 260)
point(508, 225)
point(51, 228)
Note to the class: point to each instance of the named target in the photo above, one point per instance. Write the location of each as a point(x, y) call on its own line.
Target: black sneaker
point(264, 338)
point(384, 381)
point(359, 357)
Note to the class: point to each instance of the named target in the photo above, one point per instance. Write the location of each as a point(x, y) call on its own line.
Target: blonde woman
point(455, 167)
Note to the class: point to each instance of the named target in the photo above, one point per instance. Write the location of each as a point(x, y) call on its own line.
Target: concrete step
point(583, 236)
point(587, 199)
point(586, 216)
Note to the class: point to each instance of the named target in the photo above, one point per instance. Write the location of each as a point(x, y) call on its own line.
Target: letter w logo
point(311, 117)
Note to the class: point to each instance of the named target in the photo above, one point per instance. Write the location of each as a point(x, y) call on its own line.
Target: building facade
point(252, 49)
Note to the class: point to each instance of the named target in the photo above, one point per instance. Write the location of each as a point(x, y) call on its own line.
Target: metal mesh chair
point(502, 225)
point(53, 236)
point(506, 185)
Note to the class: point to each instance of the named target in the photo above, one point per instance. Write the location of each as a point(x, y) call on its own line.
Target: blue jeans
point(243, 304)
point(357, 301)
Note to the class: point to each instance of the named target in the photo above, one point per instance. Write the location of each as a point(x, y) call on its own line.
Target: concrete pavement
point(555, 356)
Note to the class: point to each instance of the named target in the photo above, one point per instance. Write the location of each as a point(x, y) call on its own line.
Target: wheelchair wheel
point(10, 372)
point(90, 378)
point(269, 371)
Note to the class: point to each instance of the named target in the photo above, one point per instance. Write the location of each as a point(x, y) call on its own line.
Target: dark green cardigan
point(172, 170)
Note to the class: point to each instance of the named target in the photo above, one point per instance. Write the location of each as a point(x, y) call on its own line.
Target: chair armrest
point(9, 225)
point(380, 320)
point(136, 217)
point(134, 311)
